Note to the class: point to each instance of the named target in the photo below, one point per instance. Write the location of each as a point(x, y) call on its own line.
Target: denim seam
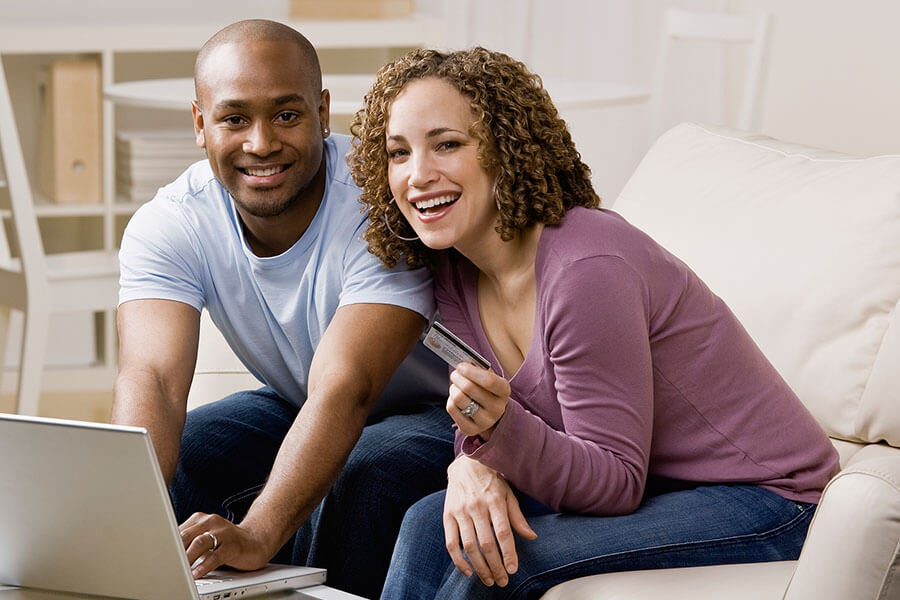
point(226, 504)
point(723, 542)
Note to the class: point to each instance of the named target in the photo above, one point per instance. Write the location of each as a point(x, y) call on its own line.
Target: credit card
point(453, 350)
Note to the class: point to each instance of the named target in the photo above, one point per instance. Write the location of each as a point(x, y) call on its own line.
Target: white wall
point(833, 81)
point(834, 74)
point(592, 40)
point(136, 11)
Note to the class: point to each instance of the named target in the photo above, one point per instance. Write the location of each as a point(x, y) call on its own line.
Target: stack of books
point(148, 160)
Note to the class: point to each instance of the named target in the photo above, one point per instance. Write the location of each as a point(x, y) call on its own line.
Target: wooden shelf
point(124, 206)
point(574, 93)
point(324, 34)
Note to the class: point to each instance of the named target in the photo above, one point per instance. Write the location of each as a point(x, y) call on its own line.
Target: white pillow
point(804, 246)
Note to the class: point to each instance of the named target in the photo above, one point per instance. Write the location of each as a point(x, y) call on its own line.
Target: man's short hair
point(254, 30)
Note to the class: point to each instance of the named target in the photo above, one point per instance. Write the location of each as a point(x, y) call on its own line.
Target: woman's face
point(433, 168)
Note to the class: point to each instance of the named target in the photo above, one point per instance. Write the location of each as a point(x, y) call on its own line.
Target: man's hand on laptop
point(212, 541)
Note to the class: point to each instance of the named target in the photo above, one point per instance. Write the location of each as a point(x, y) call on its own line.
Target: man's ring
point(215, 541)
point(471, 409)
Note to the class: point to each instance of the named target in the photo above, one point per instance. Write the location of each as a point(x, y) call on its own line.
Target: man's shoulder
point(343, 206)
point(195, 192)
point(194, 204)
point(338, 146)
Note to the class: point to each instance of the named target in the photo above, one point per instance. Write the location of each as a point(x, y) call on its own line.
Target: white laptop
point(84, 509)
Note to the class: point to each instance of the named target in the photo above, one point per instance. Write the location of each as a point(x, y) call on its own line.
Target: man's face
point(261, 121)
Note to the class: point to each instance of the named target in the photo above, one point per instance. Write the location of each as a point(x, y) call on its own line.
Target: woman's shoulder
point(591, 232)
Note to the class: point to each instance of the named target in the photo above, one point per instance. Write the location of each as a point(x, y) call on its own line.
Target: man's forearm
point(310, 459)
point(140, 401)
point(361, 348)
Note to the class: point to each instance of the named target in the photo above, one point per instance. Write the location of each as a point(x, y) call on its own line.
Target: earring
point(393, 233)
point(326, 132)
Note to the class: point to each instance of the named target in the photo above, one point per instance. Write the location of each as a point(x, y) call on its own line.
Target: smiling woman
point(535, 171)
point(434, 173)
point(626, 416)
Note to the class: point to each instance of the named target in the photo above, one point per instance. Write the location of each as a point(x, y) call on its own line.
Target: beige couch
point(804, 245)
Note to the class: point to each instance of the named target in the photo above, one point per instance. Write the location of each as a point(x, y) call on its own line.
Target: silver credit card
point(453, 350)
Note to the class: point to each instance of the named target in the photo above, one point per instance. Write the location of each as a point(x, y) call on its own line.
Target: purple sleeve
point(596, 341)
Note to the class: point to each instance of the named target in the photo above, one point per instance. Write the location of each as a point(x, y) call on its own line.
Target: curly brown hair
point(521, 138)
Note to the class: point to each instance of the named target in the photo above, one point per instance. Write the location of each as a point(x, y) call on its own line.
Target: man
point(267, 235)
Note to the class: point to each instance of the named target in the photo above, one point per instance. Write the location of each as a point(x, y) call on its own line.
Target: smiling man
point(267, 236)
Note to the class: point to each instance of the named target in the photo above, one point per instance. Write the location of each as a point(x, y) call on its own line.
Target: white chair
point(680, 25)
point(39, 285)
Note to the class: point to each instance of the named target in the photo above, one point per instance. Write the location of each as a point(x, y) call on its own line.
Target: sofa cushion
point(804, 246)
point(757, 581)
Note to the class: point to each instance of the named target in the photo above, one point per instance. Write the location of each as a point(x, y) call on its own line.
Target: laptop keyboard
point(210, 580)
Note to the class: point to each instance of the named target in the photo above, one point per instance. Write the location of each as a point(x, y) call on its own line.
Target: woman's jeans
point(703, 525)
point(228, 449)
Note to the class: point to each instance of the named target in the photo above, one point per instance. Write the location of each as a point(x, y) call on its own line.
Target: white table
point(575, 94)
point(318, 592)
point(347, 92)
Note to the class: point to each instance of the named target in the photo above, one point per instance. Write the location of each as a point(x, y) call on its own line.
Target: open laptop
point(84, 509)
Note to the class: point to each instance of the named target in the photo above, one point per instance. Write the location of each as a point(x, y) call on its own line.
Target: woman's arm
point(596, 336)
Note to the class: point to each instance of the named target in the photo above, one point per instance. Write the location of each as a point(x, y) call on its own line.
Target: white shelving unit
point(113, 41)
point(350, 50)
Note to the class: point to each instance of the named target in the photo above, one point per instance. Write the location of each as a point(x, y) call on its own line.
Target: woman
point(628, 420)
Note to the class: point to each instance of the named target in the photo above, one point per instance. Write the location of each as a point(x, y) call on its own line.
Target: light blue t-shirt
point(187, 245)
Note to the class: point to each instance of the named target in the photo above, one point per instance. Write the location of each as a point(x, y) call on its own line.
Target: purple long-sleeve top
point(635, 368)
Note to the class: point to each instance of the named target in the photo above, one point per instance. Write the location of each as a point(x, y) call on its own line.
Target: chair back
point(751, 29)
point(31, 248)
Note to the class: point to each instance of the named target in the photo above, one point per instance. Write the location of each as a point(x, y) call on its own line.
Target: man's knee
point(406, 451)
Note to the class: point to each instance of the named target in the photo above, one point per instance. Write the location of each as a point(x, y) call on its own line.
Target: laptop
point(84, 509)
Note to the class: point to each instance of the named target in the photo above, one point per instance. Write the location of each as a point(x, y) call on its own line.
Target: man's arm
point(157, 353)
point(361, 348)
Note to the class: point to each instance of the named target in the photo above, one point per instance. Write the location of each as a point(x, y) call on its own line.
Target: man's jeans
point(704, 525)
point(228, 449)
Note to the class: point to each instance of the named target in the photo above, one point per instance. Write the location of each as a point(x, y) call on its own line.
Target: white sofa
point(804, 245)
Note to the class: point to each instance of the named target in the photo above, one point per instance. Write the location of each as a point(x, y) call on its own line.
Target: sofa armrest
point(852, 547)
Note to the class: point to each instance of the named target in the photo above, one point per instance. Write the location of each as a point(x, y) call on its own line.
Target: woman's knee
point(423, 524)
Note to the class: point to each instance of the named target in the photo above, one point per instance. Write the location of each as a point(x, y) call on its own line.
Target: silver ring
point(470, 410)
point(214, 540)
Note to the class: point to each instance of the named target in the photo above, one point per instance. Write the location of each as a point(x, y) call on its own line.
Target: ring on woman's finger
point(470, 410)
point(215, 540)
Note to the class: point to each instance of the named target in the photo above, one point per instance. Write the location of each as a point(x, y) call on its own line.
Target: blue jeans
point(228, 448)
point(703, 525)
